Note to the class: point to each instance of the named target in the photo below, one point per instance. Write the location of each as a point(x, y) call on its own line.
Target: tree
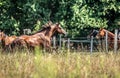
point(76, 16)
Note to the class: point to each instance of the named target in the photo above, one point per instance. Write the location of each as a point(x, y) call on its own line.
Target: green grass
point(59, 65)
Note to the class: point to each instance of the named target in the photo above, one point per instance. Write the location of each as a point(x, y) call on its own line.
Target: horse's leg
point(118, 46)
point(9, 48)
point(28, 47)
point(101, 47)
point(24, 45)
point(31, 48)
point(3, 49)
point(96, 46)
point(47, 47)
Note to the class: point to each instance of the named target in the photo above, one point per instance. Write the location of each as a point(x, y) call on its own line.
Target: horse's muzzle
point(97, 37)
point(65, 33)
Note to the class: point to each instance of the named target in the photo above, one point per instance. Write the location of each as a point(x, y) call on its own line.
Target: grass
point(59, 65)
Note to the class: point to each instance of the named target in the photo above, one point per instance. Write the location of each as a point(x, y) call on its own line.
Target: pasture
point(59, 65)
point(60, 39)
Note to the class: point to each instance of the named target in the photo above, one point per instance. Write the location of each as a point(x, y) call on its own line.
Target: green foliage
point(74, 15)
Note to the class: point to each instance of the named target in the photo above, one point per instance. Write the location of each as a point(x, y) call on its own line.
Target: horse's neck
point(110, 35)
point(50, 33)
point(47, 33)
point(39, 33)
point(94, 33)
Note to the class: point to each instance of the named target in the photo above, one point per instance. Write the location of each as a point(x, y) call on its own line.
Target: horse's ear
point(50, 23)
point(101, 28)
point(46, 25)
point(57, 24)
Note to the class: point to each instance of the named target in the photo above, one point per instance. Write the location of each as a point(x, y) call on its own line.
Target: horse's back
point(10, 39)
point(34, 40)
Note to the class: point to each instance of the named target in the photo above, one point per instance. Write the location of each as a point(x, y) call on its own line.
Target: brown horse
point(111, 36)
point(6, 41)
point(41, 38)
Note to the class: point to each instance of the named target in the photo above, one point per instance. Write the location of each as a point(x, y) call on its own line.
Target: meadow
point(64, 64)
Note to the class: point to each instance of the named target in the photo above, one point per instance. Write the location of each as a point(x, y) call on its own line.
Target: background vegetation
point(76, 16)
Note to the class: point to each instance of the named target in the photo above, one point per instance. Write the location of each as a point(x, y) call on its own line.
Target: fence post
point(68, 45)
point(60, 42)
point(91, 45)
point(54, 42)
point(115, 41)
point(63, 43)
point(26, 31)
point(106, 41)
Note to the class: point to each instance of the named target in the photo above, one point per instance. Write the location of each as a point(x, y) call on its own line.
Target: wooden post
point(63, 43)
point(82, 48)
point(106, 41)
point(115, 41)
point(54, 42)
point(91, 45)
point(26, 31)
point(68, 45)
point(60, 42)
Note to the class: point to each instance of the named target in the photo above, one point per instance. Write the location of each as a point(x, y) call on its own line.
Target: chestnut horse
point(6, 41)
point(41, 38)
point(111, 36)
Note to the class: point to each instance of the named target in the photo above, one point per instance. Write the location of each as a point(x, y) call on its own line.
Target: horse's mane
point(110, 34)
point(44, 27)
point(39, 31)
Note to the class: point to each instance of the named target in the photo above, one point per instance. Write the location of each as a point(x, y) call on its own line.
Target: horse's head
point(101, 33)
point(49, 29)
point(93, 33)
point(57, 28)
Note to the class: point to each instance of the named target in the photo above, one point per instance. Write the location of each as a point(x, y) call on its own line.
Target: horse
point(6, 41)
point(111, 36)
point(94, 33)
point(41, 38)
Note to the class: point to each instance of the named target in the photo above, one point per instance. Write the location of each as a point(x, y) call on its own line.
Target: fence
point(84, 44)
point(26, 31)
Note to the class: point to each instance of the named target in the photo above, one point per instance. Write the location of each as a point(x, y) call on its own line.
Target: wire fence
point(84, 44)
